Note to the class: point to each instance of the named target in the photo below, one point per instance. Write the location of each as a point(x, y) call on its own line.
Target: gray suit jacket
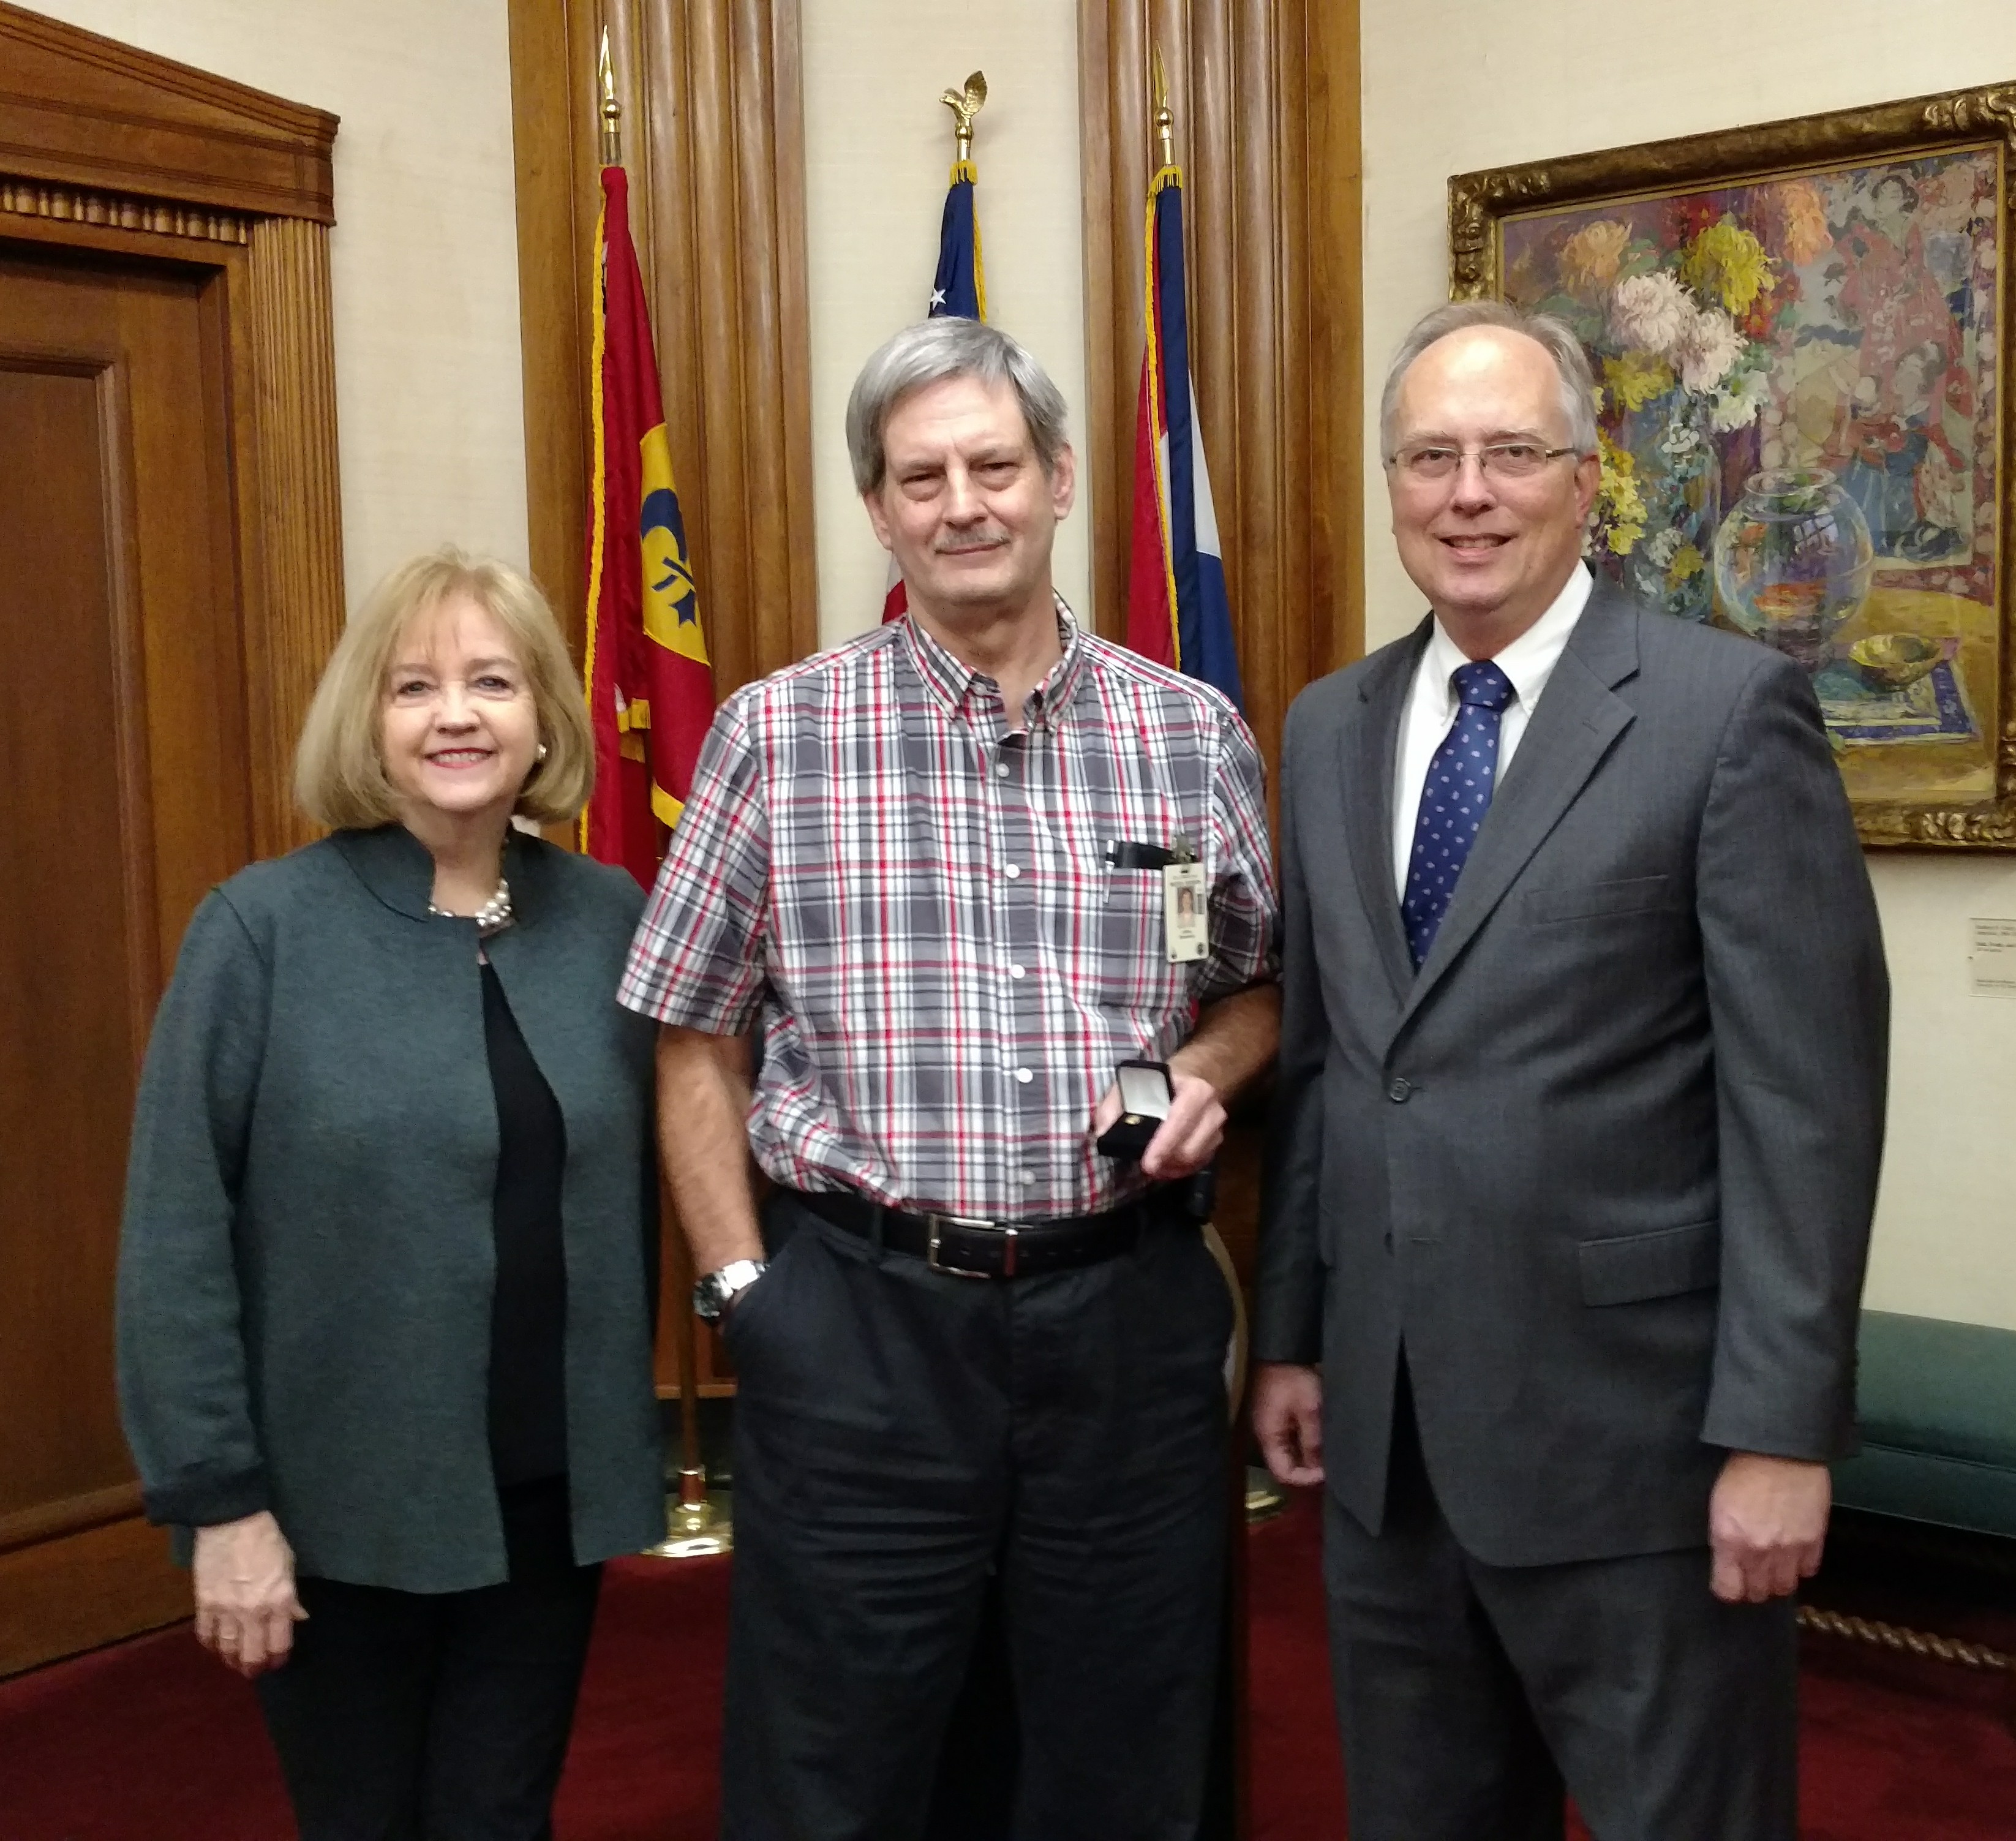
point(1607, 1163)
point(306, 1272)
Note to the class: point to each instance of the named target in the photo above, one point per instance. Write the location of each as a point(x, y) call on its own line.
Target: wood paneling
point(1266, 98)
point(713, 143)
point(65, 970)
point(89, 112)
point(63, 1596)
point(173, 582)
point(67, 204)
point(68, 1515)
point(123, 735)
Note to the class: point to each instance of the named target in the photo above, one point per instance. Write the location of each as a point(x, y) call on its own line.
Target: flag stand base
point(1264, 1496)
point(699, 1523)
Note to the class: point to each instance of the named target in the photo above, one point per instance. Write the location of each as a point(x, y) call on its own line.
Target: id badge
point(1185, 923)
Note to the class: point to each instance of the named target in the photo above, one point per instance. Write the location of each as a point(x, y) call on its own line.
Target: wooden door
point(123, 750)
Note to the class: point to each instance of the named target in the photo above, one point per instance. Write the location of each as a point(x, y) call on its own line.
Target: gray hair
point(929, 352)
point(1577, 383)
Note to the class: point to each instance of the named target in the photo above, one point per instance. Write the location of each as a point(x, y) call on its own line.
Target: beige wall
point(428, 380)
point(878, 144)
point(1532, 80)
point(424, 254)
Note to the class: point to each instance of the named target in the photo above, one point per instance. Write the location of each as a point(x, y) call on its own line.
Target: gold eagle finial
point(965, 104)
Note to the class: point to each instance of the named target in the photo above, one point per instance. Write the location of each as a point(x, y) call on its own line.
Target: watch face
point(714, 1293)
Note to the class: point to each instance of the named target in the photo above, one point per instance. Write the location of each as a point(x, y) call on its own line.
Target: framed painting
point(1796, 332)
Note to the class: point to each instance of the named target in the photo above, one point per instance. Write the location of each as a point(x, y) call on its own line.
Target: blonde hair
point(340, 778)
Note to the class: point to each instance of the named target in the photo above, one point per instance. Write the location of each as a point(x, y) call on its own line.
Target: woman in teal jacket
point(388, 1265)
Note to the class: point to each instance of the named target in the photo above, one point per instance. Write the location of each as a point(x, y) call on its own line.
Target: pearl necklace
point(493, 916)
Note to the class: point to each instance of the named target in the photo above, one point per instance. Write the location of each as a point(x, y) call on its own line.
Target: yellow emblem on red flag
point(651, 687)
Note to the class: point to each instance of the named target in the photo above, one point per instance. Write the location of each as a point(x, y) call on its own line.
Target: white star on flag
point(938, 297)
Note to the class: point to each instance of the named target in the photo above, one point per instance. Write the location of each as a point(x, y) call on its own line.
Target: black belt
point(970, 1249)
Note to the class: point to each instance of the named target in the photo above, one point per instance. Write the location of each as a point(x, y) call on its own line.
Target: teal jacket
point(307, 1263)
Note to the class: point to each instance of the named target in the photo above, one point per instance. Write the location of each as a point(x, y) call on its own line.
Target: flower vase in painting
point(1674, 458)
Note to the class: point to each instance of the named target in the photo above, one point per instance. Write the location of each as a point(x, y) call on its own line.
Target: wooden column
point(293, 482)
point(1266, 97)
point(713, 143)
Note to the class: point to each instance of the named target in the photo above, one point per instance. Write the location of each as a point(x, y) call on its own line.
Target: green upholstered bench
point(1937, 1405)
point(1937, 1401)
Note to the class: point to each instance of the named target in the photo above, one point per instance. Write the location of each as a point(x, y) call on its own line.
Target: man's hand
point(1287, 1420)
point(1184, 1141)
point(246, 1609)
point(1766, 1523)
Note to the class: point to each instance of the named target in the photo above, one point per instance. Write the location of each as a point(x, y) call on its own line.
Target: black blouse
point(529, 1313)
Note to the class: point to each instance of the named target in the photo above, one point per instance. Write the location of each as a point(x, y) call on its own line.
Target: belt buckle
point(937, 1223)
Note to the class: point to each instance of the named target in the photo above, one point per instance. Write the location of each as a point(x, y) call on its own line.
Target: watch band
point(718, 1288)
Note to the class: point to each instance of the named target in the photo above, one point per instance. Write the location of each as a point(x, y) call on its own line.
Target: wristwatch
point(718, 1289)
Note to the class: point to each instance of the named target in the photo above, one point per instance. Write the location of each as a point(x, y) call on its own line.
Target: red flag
point(650, 689)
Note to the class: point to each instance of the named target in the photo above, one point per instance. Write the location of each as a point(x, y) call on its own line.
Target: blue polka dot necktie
point(1454, 799)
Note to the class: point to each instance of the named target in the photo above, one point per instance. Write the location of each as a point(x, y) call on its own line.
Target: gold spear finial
point(1165, 118)
point(965, 104)
point(612, 110)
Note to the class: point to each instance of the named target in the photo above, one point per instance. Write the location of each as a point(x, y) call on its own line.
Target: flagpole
point(1165, 119)
point(696, 1525)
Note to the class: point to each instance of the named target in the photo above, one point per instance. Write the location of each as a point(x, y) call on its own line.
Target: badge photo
point(1186, 918)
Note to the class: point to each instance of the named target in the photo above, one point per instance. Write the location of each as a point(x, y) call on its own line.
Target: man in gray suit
point(1577, 1128)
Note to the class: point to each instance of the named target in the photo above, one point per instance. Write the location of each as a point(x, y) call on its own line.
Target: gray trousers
point(902, 1436)
point(1470, 1697)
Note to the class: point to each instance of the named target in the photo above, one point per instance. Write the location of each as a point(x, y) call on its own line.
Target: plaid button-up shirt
point(917, 900)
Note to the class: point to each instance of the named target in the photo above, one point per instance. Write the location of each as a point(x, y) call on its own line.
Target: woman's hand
point(245, 1609)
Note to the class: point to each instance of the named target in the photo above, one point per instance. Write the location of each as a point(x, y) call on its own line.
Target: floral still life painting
point(1801, 435)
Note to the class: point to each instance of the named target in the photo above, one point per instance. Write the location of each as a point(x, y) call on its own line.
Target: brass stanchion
point(698, 1524)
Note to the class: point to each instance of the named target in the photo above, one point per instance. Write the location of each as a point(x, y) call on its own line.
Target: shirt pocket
point(1592, 901)
point(1669, 1262)
point(1131, 954)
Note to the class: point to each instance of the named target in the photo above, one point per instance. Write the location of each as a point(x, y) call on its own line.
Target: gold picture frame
point(1797, 330)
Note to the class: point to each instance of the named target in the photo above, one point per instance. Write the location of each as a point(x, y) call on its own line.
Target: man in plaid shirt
point(930, 866)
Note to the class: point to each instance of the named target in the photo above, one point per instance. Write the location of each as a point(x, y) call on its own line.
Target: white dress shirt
point(1528, 662)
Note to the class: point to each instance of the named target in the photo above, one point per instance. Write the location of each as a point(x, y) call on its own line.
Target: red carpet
point(151, 1740)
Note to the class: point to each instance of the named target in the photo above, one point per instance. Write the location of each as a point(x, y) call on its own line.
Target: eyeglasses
point(1431, 463)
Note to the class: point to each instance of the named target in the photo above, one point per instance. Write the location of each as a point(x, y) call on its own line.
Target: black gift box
point(1145, 1096)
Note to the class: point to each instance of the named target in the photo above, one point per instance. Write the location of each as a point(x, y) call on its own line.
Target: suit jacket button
point(1397, 1090)
point(1389, 1240)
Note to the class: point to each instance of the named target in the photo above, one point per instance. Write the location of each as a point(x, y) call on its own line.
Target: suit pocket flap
point(1631, 896)
point(1632, 1267)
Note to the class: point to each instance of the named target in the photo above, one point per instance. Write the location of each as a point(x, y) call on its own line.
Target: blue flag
point(959, 287)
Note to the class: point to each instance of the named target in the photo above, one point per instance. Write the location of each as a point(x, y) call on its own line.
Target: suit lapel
point(1579, 717)
point(1367, 751)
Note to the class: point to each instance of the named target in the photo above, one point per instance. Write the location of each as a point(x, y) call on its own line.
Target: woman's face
point(458, 724)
